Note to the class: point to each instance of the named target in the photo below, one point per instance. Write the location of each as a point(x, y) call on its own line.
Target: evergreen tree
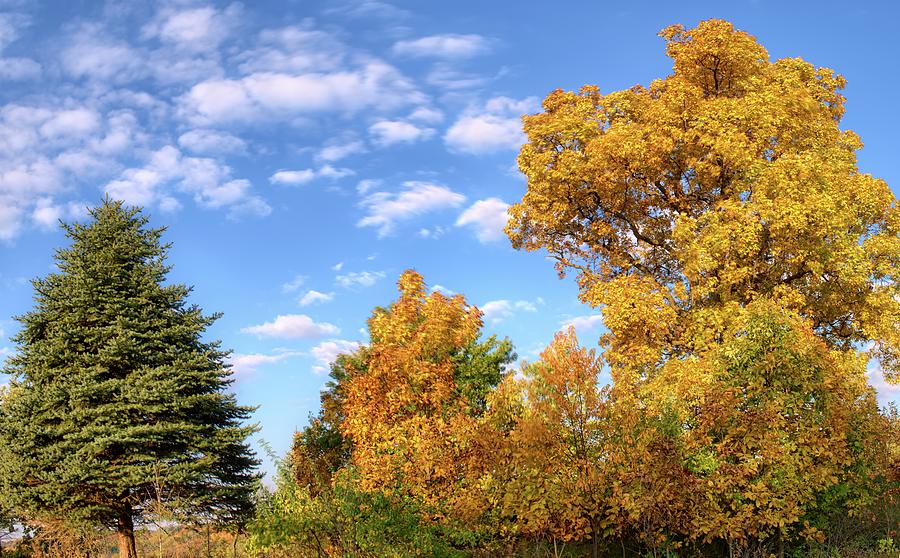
point(116, 404)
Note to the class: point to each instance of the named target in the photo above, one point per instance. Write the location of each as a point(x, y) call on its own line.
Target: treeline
point(429, 444)
point(747, 275)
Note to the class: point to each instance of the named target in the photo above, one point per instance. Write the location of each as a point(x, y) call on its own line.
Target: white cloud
point(315, 297)
point(270, 95)
point(338, 266)
point(367, 184)
point(885, 391)
point(76, 123)
point(327, 352)
point(250, 207)
point(337, 151)
point(444, 46)
point(10, 219)
point(210, 183)
point(389, 132)
point(433, 233)
point(194, 29)
point(292, 326)
point(243, 364)
point(426, 115)
point(448, 76)
point(335, 173)
point(205, 141)
point(495, 127)
point(496, 311)
point(293, 49)
point(487, 218)
point(11, 25)
point(293, 177)
point(385, 210)
point(46, 215)
point(294, 284)
point(367, 9)
point(442, 289)
point(92, 53)
point(43, 149)
point(304, 176)
point(484, 133)
point(583, 323)
point(359, 279)
point(507, 105)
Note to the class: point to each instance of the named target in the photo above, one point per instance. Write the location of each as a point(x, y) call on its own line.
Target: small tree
point(115, 401)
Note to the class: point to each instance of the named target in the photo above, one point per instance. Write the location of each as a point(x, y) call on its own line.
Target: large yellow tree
point(746, 271)
point(727, 181)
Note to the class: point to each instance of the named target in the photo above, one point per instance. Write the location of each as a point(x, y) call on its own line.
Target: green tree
point(116, 404)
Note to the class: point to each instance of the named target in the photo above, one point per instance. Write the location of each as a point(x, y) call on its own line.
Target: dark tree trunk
point(125, 530)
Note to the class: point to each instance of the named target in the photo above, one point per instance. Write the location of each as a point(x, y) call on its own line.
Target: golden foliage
point(728, 181)
point(409, 427)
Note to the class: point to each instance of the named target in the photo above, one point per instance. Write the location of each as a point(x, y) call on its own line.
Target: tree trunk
point(125, 529)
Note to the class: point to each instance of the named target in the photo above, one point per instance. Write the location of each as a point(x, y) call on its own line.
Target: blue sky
point(302, 154)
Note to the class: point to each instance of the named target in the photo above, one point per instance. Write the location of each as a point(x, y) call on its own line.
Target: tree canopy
point(726, 182)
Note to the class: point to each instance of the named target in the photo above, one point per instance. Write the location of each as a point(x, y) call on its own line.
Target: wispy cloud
point(359, 279)
point(583, 324)
point(294, 284)
point(292, 326)
point(243, 364)
point(495, 311)
point(487, 218)
point(210, 182)
point(326, 352)
point(444, 46)
point(385, 210)
point(278, 95)
point(496, 126)
point(304, 176)
point(389, 132)
point(315, 297)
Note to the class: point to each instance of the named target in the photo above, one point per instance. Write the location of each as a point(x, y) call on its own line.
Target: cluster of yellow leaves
point(734, 443)
point(727, 181)
point(550, 429)
point(410, 429)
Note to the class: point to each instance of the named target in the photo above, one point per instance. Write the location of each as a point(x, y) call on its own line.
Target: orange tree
point(411, 414)
point(724, 191)
point(392, 464)
point(550, 479)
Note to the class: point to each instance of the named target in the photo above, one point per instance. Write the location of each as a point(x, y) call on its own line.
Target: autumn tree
point(718, 219)
point(727, 181)
point(550, 477)
point(116, 401)
point(769, 419)
point(411, 413)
